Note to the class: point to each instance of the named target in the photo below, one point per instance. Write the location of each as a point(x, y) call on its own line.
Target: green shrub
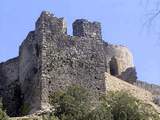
point(148, 112)
point(76, 103)
point(24, 109)
point(3, 115)
point(101, 112)
point(126, 107)
point(123, 106)
point(50, 116)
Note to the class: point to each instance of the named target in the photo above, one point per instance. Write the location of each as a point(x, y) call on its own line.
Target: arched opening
point(113, 66)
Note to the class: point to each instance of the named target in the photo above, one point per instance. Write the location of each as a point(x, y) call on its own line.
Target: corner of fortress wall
point(70, 60)
point(50, 60)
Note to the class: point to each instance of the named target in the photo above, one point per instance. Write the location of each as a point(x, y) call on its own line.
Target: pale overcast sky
point(122, 23)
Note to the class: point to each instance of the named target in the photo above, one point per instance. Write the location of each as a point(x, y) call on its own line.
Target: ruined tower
point(50, 60)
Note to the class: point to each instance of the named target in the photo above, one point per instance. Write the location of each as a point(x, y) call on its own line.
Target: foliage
point(148, 112)
point(76, 104)
point(101, 112)
point(3, 115)
point(51, 116)
point(123, 106)
point(24, 109)
point(126, 107)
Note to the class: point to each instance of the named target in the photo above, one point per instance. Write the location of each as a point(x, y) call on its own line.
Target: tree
point(101, 112)
point(126, 107)
point(153, 11)
point(74, 104)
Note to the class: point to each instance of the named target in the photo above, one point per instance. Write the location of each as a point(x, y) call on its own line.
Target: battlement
point(84, 28)
point(47, 22)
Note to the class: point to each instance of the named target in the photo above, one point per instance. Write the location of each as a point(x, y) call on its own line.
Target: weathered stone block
point(84, 28)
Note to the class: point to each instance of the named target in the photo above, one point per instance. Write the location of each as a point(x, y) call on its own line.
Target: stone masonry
point(50, 60)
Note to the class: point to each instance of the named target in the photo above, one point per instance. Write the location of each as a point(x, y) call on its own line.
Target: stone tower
point(50, 60)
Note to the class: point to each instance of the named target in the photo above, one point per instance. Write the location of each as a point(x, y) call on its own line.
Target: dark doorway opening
point(113, 66)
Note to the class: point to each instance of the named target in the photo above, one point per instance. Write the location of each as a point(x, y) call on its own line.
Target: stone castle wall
point(50, 60)
point(68, 60)
point(29, 71)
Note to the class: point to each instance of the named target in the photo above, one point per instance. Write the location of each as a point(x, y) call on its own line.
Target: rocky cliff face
point(49, 60)
point(9, 86)
point(120, 62)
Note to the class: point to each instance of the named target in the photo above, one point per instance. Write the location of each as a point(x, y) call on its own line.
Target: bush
point(76, 103)
point(101, 112)
point(49, 117)
point(123, 106)
point(148, 112)
point(126, 107)
point(3, 115)
point(24, 109)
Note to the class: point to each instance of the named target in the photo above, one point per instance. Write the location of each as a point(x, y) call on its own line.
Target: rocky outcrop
point(129, 75)
point(9, 86)
point(119, 54)
point(9, 71)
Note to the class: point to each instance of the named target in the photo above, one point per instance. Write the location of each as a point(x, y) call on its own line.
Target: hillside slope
point(115, 84)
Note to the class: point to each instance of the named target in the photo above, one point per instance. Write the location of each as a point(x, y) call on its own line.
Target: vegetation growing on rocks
point(24, 109)
point(3, 115)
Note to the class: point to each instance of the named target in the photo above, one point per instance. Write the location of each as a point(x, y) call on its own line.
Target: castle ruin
point(50, 60)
